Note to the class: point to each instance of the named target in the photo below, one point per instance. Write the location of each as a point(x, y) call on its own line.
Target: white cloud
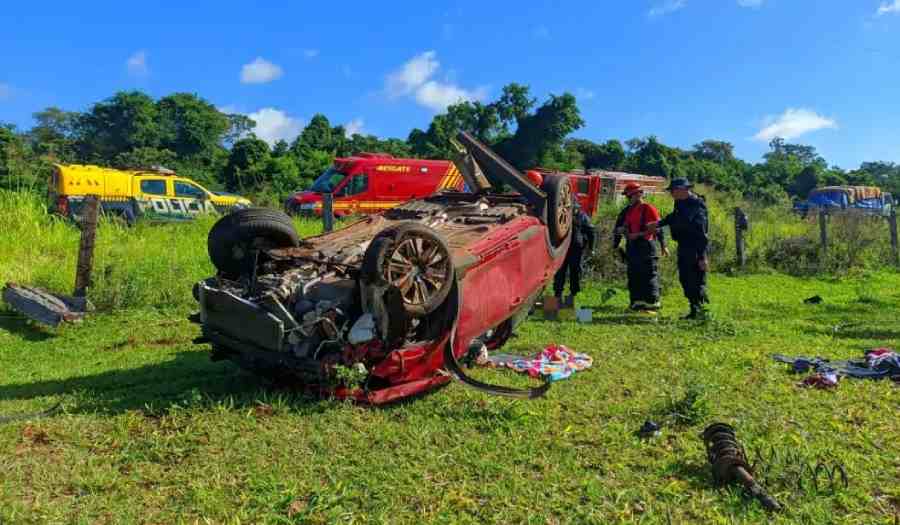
point(273, 125)
point(5, 91)
point(669, 6)
point(354, 127)
point(137, 64)
point(541, 32)
point(310, 53)
point(414, 79)
point(438, 95)
point(792, 124)
point(888, 7)
point(260, 71)
point(750, 3)
point(412, 74)
point(584, 94)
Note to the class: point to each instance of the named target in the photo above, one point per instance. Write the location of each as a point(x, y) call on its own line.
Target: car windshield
point(327, 181)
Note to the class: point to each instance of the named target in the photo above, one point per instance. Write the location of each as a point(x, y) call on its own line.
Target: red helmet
point(536, 178)
point(631, 188)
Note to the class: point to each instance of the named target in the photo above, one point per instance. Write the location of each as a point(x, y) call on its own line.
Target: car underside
point(383, 308)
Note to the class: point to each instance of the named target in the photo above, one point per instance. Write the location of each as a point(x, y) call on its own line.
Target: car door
point(189, 199)
point(352, 196)
point(152, 195)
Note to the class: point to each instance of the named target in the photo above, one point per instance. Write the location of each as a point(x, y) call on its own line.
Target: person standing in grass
point(641, 252)
point(583, 242)
point(689, 225)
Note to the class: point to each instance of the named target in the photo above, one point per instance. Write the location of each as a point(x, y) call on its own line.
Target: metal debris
point(729, 463)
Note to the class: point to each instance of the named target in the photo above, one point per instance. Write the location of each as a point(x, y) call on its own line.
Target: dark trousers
point(693, 280)
point(642, 257)
point(572, 265)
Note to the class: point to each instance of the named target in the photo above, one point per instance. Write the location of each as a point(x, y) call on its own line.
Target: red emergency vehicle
point(374, 182)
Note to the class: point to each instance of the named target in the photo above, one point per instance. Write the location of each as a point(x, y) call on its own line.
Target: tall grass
point(151, 265)
point(155, 265)
point(778, 240)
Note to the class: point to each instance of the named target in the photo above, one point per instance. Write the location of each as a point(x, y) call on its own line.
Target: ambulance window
point(358, 184)
point(153, 187)
point(183, 189)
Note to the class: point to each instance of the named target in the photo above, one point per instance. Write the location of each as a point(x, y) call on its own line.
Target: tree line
point(184, 132)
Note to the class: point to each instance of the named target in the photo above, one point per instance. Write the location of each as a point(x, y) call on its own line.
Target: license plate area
point(229, 314)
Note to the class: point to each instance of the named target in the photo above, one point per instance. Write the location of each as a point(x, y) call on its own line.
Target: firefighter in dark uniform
point(583, 241)
point(641, 252)
point(689, 225)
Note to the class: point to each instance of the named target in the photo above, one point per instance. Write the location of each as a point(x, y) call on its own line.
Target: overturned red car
point(383, 308)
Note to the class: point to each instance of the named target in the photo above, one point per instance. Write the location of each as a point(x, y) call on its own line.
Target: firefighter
point(641, 252)
point(689, 225)
point(583, 240)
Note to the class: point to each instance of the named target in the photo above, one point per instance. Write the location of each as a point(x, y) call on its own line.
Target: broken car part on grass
point(729, 463)
point(51, 308)
point(383, 308)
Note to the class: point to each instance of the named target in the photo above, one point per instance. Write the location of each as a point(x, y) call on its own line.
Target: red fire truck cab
point(374, 182)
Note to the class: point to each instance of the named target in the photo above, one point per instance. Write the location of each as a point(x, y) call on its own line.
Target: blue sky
point(825, 73)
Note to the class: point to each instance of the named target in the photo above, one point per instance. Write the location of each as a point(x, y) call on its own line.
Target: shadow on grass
point(697, 475)
point(856, 332)
point(159, 386)
point(28, 330)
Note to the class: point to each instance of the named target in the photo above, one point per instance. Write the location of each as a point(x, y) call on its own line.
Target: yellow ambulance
point(155, 193)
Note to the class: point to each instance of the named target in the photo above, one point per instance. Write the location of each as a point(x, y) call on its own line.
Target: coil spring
point(788, 469)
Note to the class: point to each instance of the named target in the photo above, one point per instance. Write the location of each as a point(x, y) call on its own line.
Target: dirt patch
point(35, 435)
point(133, 342)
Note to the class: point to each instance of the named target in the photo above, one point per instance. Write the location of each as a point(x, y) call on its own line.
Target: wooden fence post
point(823, 229)
point(740, 225)
point(895, 247)
point(328, 211)
point(86, 246)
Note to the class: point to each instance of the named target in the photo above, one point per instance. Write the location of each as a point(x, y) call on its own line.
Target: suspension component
point(729, 463)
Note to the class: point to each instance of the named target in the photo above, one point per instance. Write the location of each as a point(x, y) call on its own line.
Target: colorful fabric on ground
point(553, 363)
point(878, 363)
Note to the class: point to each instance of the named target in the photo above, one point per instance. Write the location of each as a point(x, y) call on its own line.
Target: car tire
point(233, 238)
point(560, 208)
point(423, 296)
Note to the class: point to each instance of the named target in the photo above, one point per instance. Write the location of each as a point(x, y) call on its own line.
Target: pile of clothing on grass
point(877, 363)
point(552, 363)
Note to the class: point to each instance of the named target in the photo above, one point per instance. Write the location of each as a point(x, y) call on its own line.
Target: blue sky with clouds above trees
point(816, 72)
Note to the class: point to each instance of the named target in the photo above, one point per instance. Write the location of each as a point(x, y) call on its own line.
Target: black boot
point(694, 313)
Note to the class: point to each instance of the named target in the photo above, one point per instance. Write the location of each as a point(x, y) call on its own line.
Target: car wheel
point(233, 238)
point(416, 260)
point(559, 207)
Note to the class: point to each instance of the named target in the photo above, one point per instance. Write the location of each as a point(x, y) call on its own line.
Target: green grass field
point(151, 431)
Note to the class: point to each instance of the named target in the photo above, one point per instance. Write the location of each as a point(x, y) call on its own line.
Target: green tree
point(317, 135)
point(650, 157)
point(284, 173)
point(54, 134)
point(190, 126)
point(119, 124)
point(145, 158)
point(539, 133)
point(247, 168)
point(20, 170)
point(239, 126)
point(313, 164)
point(806, 181)
point(717, 151)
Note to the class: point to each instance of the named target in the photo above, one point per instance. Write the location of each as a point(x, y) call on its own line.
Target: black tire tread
point(241, 226)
